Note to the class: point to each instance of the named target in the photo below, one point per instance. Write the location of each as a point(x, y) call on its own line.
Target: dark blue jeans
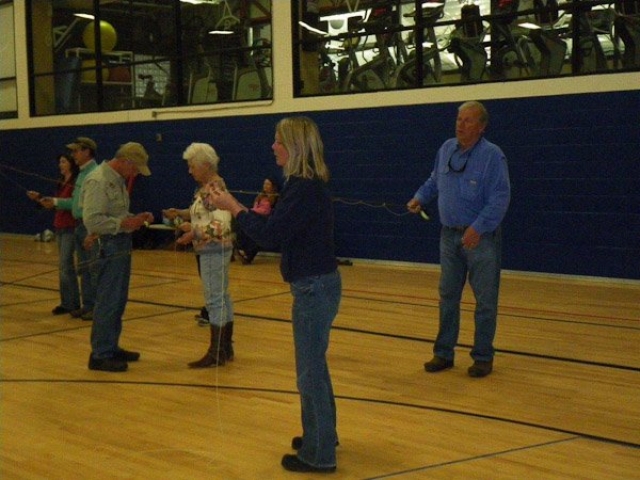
point(482, 266)
point(86, 268)
point(113, 270)
point(315, 305)
point(69, 289)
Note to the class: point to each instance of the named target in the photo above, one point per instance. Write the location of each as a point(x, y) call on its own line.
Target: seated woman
point(263, 205)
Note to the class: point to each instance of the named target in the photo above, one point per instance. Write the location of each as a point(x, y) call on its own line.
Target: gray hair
point(484, 115)
point(202, 153)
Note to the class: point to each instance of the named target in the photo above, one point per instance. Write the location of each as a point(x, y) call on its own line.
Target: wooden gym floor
point(563, 401)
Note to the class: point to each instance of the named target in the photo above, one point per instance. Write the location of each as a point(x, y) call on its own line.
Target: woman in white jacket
point(209, 230)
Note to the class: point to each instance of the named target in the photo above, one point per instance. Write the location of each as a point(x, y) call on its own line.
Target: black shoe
point(294, 464)
point(79, 312)
point(437, 364)
point(480, 369)
point(60, 310)
point(296, 443)
point(107, 364)
point(88, 315)
point(126, 355)
point(203, 317)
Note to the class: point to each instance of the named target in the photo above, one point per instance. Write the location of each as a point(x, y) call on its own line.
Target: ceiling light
point(311, 29)
point(198, 2)
point(342, 16)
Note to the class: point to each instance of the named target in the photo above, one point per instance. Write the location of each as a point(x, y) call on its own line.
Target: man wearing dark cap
point(83, 151)
point(106, 214)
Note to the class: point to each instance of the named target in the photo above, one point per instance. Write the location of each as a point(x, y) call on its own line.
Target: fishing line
point(392, 208)
point(19, 185)
point(24, 172)
point(389, 207)
point(18, 281)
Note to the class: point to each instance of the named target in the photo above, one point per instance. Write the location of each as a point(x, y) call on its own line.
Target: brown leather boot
point(216, 354)
point(227, 341)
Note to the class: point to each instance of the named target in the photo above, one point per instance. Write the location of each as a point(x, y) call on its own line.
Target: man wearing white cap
point(106, 214)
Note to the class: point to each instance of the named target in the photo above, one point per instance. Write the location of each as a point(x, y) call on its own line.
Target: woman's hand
point(184, 227)
point(187, 238)
point(170, 213)
point(33, 195)
point(222, 199)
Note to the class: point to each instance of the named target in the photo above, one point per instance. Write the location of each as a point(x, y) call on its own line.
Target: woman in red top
point(64, 225)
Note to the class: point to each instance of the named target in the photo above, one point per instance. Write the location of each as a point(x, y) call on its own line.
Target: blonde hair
point(202, 153)
point(301, 137)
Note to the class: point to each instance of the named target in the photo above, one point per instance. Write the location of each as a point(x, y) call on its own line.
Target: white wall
point(283, 100)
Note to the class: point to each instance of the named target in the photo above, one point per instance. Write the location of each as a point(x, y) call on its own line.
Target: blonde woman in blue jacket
point(302, 227)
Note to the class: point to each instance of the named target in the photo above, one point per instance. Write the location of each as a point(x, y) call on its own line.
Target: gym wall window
point(146, 53)
point(349, 46)
point(8, 91)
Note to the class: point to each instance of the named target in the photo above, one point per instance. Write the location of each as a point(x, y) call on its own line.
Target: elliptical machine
point(406, 73)
point(467, 45)
point(627, 27)
point(377, 73)
point(590, 55)
point(511, 57)
point(547, 40)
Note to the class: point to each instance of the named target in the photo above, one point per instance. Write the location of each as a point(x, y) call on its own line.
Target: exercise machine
point(627, 28)
point(589, 55)
point(377, 73)
point(467, 44)
point(407, 72)
point(547, 39)
point(511, 57)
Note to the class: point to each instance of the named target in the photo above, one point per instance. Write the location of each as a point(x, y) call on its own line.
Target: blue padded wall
point(574, 163)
